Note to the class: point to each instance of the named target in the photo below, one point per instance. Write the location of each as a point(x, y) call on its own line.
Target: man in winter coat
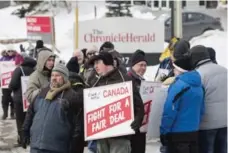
point(118, 58)
point(136, 72)
point(77, 85)
point(50, 120)
point(183, 110)
point(41, 76)
point(213, 127)
point(103, 64)
point(26, 68)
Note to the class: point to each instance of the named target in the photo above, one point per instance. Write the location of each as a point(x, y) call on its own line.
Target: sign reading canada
point(7, 68)
point(147, 94)
point(127, 34)
point(40, 28)
point(108, 111)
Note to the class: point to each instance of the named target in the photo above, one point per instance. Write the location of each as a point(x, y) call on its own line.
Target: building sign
point(40, 28)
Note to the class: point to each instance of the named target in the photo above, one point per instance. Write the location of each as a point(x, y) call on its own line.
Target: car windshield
point(163, 17)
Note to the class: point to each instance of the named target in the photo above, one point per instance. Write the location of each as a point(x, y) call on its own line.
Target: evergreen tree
point(118, 8)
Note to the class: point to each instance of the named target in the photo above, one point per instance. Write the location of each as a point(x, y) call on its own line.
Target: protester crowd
point(194, 118)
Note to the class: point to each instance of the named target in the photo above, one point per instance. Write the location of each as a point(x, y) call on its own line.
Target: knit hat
point(106, 57)
point(181, 48)
point(108, 45)
point(73, 65)
point(62, 69)
point(212, 54)
point(198, 53)
point(137, 57)
point(183, 64)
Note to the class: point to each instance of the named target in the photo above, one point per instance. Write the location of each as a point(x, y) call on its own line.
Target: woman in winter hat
point(183, 110)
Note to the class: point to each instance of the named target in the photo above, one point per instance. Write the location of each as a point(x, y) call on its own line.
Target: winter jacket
point(135, 78)
point(15, 84)
point(214, 79)
point(184, 104)
point(115, 76)
point(50, 124)
point(39, 78)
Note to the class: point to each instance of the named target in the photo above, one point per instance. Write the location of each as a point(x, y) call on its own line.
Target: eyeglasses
point(90, 54)
point(10, 51)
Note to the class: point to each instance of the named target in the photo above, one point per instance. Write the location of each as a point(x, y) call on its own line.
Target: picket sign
point(7, 68)
point(24, 85)
point(156, 112)
point(108, 111)
point(147, 94)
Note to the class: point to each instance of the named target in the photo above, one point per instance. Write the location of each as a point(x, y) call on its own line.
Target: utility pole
point(176, 15)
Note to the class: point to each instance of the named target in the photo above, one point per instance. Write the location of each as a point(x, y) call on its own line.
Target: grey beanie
point(61, 68)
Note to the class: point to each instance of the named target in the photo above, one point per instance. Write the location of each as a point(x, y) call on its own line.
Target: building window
point(183, 3)
point(163, 3)
point(156, 3)
point(201, 2)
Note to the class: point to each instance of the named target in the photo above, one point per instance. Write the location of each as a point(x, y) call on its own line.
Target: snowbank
point(215, 39)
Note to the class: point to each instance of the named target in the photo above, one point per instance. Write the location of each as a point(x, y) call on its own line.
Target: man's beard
point(55, 84)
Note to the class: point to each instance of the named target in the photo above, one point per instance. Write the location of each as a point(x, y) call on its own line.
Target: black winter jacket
point(116, 76)
point(51, 124)
point(15, 83)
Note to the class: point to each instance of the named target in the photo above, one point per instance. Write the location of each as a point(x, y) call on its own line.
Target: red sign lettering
point(120, 37)
point(147, 106)
point(108, 116)
point(39, 24)
point(6, 77)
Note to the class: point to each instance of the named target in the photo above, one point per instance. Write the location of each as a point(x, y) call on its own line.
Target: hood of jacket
point(192, 78)
point(28, 61)
point(75, 77)
point(43, 57)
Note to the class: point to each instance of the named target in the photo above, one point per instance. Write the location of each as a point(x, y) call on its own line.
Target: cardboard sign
point(7, 68)
point(24, 85)
point(40, 28)
point(147, 94)
point(156, 112)
point(108, 111)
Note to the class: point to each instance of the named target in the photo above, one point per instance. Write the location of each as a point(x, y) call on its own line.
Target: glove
point(25, 141)
point(164, 140)
point(135, 125)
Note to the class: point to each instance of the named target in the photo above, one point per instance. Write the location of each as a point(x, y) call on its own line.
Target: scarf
point(53, 92)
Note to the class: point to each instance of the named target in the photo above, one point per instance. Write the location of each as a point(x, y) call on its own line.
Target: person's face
point(50, 63)
point(90, 54)
point(80, 58)
point(10, 52)
point(56, 80)
point(100, 67)
point(140, 68)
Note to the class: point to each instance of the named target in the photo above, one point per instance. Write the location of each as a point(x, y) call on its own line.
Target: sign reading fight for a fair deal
point(7, 68)
point(147, 93)
point(40, 28)
point(108, 111)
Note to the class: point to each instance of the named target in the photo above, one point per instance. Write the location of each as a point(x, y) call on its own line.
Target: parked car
point(194, 24)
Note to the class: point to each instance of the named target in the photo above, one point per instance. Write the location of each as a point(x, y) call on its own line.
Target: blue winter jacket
point(183, 113)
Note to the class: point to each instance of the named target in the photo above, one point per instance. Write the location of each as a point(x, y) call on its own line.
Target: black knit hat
point(181, 48)
point(183, 64)
point(73, 65)
point(107, 45)
point(104, 56)
point(198, 53)
point(137, 57)
point(212, 54)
